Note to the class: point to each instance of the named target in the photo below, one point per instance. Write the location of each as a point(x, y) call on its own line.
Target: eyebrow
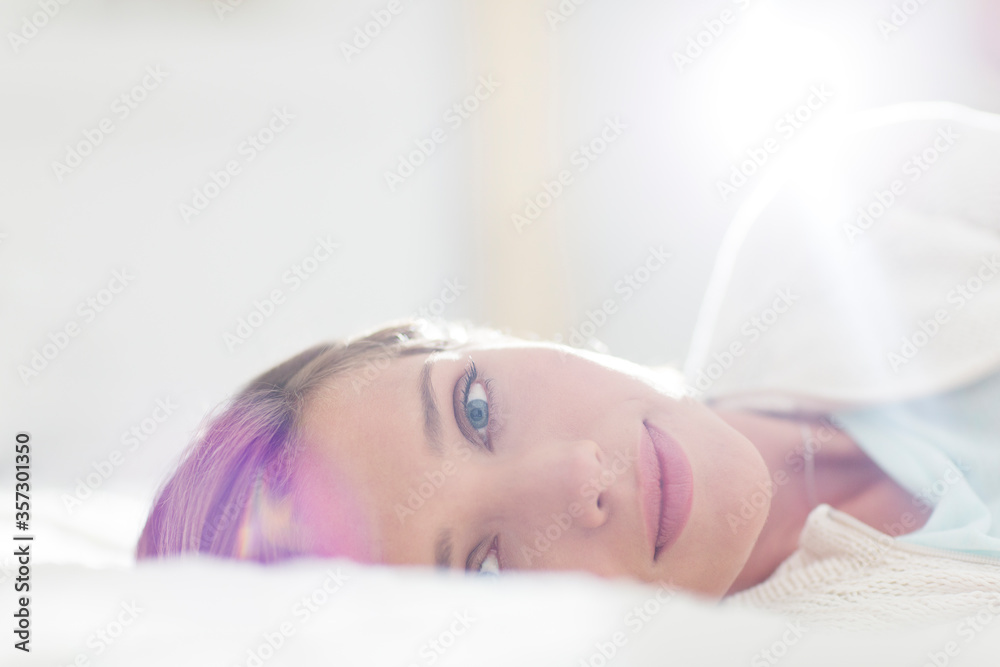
point(432, 429)
point(432, 417)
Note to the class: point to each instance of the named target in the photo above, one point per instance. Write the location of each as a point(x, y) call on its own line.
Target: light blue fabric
point(946, 451)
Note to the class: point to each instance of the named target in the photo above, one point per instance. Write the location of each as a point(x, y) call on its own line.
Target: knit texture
point(849, 576)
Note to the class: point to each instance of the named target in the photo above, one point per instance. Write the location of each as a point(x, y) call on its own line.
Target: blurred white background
point(680, 92)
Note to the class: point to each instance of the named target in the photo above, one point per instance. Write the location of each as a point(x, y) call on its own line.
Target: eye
point(477, 409)
point(491, 562)
point(473, 398)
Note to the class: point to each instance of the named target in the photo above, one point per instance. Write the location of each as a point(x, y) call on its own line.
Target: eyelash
point(471, 374)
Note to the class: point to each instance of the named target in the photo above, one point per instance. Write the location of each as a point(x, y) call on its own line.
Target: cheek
point(331, 514)
point(728, 471)
point(570, 408)
point(729, 465)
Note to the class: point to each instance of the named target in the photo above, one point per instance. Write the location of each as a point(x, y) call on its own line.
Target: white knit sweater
point(848, 575)
point(855, 300)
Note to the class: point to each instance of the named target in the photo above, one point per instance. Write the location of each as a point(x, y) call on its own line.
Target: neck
point(839, 475)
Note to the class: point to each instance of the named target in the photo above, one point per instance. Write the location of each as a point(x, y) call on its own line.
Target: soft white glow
point(765, 69)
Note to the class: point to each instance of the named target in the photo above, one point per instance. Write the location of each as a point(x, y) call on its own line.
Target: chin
point(745, 502)
point(729, 507)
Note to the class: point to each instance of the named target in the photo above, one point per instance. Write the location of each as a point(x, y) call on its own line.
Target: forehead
point(356, 402)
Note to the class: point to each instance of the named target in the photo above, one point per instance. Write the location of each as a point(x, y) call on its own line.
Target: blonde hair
point(222, 497)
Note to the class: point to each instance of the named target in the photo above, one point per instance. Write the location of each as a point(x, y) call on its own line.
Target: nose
point(560, 478)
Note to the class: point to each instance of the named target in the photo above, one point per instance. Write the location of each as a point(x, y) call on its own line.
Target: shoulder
point(848, 575)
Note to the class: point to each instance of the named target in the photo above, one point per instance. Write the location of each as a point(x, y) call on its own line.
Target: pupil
point(478, 413)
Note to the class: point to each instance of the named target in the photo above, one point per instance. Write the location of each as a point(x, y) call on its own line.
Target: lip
point(666, 487)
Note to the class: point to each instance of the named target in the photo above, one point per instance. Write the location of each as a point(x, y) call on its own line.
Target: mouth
point(666, 488)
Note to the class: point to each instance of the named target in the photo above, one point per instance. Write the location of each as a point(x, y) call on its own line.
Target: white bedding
point(206, 612)
point(214, 613)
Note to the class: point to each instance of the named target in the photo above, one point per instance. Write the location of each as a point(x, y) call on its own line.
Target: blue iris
point(478, 413)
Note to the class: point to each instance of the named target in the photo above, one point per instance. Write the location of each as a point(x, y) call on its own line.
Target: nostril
point(600, 501)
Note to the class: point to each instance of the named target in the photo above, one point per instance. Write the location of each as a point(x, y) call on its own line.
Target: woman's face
point(545, 458)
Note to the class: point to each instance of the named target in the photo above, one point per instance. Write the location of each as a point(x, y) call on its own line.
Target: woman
point(464, 452)
point(793, 481)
